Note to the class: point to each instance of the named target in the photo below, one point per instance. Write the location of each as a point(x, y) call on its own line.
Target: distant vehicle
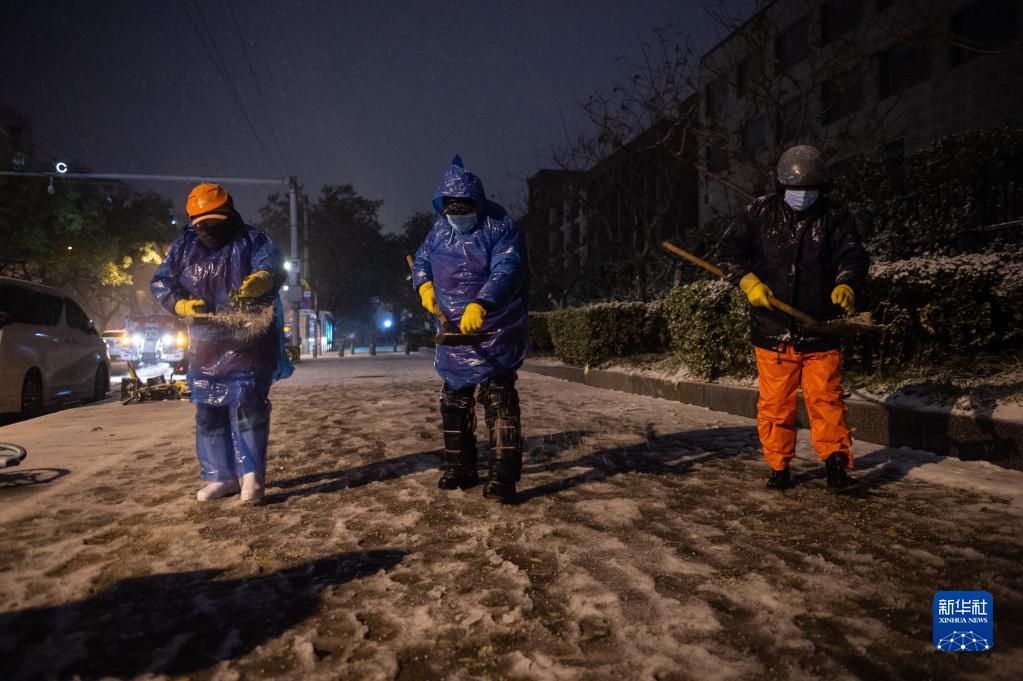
point(175, 343)
point(119, 345)
point(50, 352)
point(156, 338)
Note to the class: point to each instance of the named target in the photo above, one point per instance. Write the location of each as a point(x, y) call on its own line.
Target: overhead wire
point(255, 80)
point(221, 68)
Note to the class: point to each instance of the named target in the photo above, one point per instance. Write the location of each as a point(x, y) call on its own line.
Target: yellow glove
point(844, 296)
point(256, 284)
point(189, 306)
point(756, 290)
point(472, 318)
point(428, 297)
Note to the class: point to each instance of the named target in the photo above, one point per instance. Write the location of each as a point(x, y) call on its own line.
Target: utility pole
point(294, 276)
point(305, 265)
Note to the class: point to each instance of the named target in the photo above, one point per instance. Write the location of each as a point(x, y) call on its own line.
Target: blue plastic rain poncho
point(229, 373)
point(486, 265)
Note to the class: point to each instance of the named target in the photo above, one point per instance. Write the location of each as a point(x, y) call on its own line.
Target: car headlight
point(167, 339)
point(181, 340)
point(125, 340)
point(137, 339)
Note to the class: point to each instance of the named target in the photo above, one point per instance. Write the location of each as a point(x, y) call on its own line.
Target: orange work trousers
point(781, 372)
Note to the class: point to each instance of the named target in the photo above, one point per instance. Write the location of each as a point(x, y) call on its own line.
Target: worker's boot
point(501, 407)
point(835, 466)
point(252, 488)
point(457, 411)
point(217, 490)
point(780, 480)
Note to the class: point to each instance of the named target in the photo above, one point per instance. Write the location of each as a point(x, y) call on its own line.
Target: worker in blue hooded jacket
point(218, 262)
point(472, 267)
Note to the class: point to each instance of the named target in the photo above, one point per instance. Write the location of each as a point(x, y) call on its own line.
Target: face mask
point(215, 233)
point(801, 199)
point(463, 223)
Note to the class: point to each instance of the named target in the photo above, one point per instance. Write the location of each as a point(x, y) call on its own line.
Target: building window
point(793, 119)
point(754, 135)
point(711, 100)
point(901, 67)
point(791, 45)
point(984, 25)
point(838, 17)
point(842, 96)
point(742, 76)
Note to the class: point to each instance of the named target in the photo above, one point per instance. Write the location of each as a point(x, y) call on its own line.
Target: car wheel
point(32, 396)
point(102, 385)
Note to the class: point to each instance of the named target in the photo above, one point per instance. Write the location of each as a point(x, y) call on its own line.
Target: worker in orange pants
point(819, 374)
point(797, 246)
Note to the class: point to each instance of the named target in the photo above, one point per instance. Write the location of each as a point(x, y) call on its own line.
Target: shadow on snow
point(176, 623)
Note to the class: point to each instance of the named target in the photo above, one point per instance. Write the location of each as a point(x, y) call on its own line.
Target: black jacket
point(801, 257)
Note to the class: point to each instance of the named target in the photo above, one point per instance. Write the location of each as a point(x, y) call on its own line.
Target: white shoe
point(252, 488)
point(217, 490)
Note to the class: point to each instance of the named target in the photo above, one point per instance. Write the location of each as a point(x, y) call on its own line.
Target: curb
point(970, 438)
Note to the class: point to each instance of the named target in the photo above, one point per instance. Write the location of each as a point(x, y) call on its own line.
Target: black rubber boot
point(457, 410)
point(501, 408)
point(780, 480)
point(835, 467)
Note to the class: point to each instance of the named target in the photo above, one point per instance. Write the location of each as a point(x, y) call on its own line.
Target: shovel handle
point(685, 255)
point(799, 315)
point(438, 314)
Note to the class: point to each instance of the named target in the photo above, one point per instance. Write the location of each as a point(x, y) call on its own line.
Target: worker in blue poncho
point(472, 267)
point(219, 265)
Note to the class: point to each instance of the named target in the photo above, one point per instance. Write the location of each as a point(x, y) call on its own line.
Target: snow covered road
point(645, 547)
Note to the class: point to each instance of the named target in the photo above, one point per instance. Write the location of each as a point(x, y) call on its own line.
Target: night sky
point(379, 94)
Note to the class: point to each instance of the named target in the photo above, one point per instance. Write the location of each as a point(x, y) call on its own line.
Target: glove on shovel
point(449, 334)
point(845, 326)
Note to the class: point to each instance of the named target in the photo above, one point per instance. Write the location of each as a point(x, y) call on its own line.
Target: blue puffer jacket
point(217, 358)
point(488, 266)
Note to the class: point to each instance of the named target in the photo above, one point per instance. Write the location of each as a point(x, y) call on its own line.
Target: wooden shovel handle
point(685, 255)
point(800, 316)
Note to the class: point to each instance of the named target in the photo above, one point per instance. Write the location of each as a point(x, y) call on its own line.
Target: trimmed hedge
point(540, 333)
point(595, 333)
point(708, 322)
point(936, 307)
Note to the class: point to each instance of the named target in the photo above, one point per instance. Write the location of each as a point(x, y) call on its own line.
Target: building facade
point(855, 78)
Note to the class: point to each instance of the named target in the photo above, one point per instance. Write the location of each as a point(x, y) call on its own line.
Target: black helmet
point(803, 166)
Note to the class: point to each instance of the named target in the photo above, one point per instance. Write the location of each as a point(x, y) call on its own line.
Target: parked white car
point(50, 352)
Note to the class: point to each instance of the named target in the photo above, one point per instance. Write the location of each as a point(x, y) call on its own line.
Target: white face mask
point(801, 199)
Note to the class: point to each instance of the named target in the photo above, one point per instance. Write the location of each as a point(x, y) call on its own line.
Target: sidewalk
point(931, 428)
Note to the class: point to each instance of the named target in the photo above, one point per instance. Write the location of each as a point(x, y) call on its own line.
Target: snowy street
point(645, 546)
